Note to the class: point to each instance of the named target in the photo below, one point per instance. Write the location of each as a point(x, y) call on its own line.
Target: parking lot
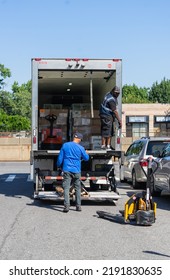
point(35, 230)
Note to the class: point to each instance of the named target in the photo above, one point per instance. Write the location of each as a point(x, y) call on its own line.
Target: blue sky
point(137, 31)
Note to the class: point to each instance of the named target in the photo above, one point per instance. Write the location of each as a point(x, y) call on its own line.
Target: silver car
point(160, 175)
point(135, 159)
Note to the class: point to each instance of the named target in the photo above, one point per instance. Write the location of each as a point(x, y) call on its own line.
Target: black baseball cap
point(116, 89)
point(78, 135)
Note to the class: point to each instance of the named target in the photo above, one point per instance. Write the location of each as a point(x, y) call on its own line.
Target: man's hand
point(120, 124)
point(118, 118)
point(59, 169)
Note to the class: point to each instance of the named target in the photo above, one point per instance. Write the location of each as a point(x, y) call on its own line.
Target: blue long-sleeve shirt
point(70, 157)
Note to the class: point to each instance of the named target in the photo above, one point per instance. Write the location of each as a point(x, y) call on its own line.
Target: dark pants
point(68, 180)
point(106, 127)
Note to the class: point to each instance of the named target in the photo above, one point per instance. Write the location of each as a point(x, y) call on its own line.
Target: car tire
point(135, 184)
point(123, 180)
point(153, 192)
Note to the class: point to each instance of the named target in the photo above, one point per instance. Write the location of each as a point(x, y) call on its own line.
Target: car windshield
point(135, 148)
point(154, 146)
point(166, 151)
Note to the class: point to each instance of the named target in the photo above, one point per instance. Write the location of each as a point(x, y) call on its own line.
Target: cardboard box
point(53, 106)
point(96, 122)
point(44, 112)
point(62, 118)
point(81, 106)
point(76, 114)
point(81, 121)
point(95, 146)
point(95, 139)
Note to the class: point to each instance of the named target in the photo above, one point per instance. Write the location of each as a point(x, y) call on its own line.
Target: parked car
point(135, 159)
point(160, 175)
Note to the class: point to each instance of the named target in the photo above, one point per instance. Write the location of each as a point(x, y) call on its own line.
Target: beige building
point(146, 120)
point(143, 120)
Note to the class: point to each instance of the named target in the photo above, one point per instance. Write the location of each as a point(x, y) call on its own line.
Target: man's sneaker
point(78, 208)
point(66, 209)
point(108, 148)
point(103, 147)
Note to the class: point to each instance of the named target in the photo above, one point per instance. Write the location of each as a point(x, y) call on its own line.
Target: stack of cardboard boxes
point(88, 126)
point(68, 121)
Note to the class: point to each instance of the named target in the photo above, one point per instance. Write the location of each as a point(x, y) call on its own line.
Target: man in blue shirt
point(69, 160)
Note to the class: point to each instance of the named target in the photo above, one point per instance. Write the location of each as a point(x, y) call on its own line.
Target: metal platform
point(95, 196)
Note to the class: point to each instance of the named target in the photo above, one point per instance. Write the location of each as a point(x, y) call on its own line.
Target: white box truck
point(66, 96)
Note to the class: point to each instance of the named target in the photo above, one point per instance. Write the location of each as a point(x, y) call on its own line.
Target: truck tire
point(123, 180)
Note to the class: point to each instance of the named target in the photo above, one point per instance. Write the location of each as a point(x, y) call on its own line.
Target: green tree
point(13, 123)
point(160, 92)
point(133, 94)
point(18, 123)
point(4, 73)
point(6, 102)
point(22, 99)
point(15, 106)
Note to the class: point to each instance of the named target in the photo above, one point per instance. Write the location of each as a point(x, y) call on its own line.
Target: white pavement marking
point(10, 178)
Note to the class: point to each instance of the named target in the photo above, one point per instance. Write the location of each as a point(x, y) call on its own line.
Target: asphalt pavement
point(39, 230)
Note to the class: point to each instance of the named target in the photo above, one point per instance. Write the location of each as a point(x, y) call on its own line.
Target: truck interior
point(68, 87)
point(73, 99)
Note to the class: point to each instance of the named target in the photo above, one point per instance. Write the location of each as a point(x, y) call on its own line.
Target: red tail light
point(34, 140)
point(143, 163)
point(118, 140)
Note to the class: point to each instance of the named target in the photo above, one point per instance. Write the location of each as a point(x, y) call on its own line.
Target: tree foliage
point(4, 73)
point(133, 94)
point(15, 106)
point(21, 98)
point(6, 102)
point(160, 93)
point(13, 123)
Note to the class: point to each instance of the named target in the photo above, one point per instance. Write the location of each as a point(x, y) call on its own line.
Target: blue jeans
point(68, 180)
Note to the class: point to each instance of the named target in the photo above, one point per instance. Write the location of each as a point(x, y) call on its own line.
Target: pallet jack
point(140, 209)
point(52, 142)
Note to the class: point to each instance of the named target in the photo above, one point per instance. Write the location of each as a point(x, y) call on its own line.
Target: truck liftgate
point(98, 182)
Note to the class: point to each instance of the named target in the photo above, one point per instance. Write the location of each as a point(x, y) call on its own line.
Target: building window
point(162, 125)
point(137, 126)
point(139, 130)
